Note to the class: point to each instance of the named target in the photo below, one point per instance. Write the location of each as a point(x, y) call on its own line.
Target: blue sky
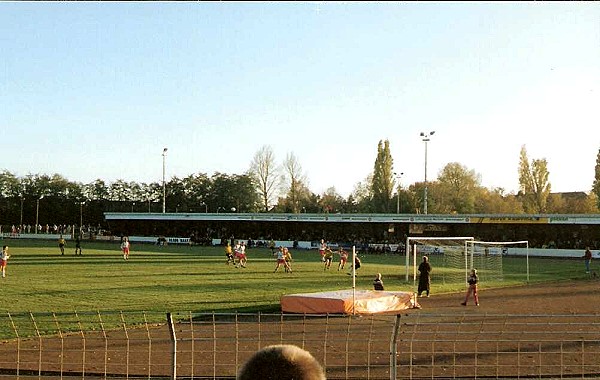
point(97, 89)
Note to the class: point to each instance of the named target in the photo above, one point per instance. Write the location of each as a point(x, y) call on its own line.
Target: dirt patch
point(431, 341)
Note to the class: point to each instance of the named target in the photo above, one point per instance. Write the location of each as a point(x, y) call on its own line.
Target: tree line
point(268, 186)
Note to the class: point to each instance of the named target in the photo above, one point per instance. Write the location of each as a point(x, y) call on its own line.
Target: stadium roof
point(364, 218)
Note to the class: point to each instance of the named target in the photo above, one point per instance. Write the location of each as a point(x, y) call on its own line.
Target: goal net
point(487, 257)
point(448, 255)
point(453, 258)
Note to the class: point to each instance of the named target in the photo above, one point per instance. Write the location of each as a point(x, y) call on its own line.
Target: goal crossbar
point(499, 242)
point(422, 240)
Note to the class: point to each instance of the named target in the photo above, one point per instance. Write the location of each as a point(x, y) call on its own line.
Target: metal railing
point(186, 345)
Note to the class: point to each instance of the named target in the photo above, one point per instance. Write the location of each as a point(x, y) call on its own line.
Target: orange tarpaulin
point(347, 302)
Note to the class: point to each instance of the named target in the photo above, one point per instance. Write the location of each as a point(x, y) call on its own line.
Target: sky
point(96, 90)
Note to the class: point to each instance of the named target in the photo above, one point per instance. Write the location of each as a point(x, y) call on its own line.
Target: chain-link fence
point(186, 345)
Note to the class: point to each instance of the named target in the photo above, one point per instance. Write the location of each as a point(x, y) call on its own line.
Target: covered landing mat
point(349, 302)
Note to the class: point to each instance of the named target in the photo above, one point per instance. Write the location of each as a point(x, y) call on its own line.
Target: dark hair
point(281, 362)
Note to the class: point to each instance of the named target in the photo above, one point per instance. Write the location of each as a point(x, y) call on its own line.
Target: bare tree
point(265, 173)
point(294, 181)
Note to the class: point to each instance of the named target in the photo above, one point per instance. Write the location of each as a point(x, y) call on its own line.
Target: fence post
point(16, 331)
point(81, 331)
point(174, 346)
point(39, 336)
point(105, 343)
point(127, 344)
point(62, 343)
point(394, 349)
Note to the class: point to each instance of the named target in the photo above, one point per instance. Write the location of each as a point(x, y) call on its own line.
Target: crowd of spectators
point(54, 229)
point(371, 238)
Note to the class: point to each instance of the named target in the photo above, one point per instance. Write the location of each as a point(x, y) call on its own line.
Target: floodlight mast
point(164, 208)
point(425, 138)
point(398, 178)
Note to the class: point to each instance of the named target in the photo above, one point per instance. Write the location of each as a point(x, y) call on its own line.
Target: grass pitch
point(197, 279)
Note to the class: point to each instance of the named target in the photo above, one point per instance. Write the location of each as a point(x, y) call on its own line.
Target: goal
point(487, 257)
point(450, 255)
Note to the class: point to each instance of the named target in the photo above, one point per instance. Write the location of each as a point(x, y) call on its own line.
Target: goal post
point(452, 250)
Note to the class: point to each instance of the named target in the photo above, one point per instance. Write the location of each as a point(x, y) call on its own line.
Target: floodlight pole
point(22, 200)
point(37, 213)
point(164, 208)
point(398, 178)
point(425, 138)
point(81, 218)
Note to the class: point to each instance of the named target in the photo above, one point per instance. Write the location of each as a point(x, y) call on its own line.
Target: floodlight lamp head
point(431, 133)
point(422, 134)
point(165, 150)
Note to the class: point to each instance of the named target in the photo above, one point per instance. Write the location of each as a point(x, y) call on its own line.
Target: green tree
point(176, 197)
point(533, 183)
point(457, 189)
point(246, 197)
point(12, 196)
point(233, 193)
point(196, 188)
point(331, 201)
point(417, 191)
point(596, 184)
point(362, 195)
point(95, 195)
point(495, 201)
point(383, 178)
point(150, 196)
point(96, 191)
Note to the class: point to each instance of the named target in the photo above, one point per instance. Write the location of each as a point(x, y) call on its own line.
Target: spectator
point(281, 362)
point(378, 282)
point(472, 289)
point(424, 277)
point(587, 257)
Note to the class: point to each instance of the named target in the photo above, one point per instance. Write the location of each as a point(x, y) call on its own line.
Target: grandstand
point(542, 231)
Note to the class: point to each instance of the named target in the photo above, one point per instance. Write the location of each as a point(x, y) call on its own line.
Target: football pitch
point(197, 279)
point(103, 316)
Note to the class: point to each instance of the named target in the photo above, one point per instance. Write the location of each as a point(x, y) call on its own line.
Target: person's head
point(281, 362)
point(473, 272)
point(5, 247)
point(425, 259)
point(378, 276)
